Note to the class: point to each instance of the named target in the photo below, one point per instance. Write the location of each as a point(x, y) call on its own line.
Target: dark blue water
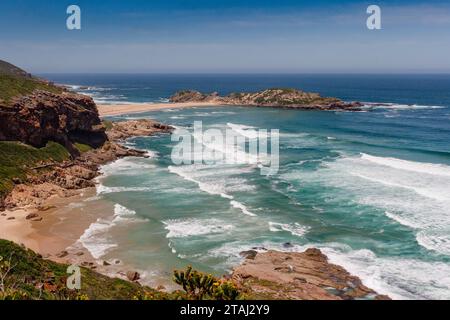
point(402, 89)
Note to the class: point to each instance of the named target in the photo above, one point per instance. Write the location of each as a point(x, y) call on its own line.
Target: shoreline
point(106, 110)
point(40, 214)
point(40, 235)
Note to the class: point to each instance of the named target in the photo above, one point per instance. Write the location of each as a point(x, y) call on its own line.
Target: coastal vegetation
point(16, 85)
point(200, 286)
point(17, 160)
point(15, 82)
point(25, 275)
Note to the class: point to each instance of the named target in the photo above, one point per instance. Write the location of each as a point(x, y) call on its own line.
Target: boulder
point(249, 254)
point(32, 216)
point(133, 275)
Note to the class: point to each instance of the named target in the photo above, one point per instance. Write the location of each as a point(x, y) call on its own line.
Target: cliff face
point(43, 116)
point(281, 98)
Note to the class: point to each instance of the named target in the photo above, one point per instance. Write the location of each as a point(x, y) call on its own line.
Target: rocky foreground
point(276, 98)
point(298, 276)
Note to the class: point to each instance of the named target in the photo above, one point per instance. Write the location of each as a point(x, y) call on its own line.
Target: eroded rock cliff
point(44, 116)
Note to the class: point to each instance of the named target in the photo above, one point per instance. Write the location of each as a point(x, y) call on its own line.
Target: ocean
point(371, 189)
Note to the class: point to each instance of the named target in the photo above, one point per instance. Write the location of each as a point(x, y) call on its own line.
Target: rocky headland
point(65, 178)
point(298, 276)
point(52, 141)
point(275, 98)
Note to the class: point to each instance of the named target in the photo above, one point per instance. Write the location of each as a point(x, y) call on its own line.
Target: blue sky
point(226, 36)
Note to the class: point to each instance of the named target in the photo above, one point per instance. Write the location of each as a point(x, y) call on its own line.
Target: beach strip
point(120, 109)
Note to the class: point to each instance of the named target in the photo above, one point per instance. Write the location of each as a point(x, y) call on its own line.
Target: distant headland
point(277, 98)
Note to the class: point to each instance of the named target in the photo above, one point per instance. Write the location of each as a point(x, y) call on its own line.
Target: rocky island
point(277, 98)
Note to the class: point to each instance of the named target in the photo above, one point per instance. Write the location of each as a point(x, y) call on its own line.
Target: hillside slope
point(28, 276)
point(7, 68)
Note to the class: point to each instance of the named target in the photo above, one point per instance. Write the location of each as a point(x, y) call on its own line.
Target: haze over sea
point(371, 189)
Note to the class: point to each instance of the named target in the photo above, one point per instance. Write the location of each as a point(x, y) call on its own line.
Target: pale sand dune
point(119, 109)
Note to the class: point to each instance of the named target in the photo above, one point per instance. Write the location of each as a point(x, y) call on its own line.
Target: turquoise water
point(371, 189)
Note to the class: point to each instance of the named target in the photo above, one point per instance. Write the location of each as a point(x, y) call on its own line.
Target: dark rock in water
point(287, 245)
point(133, 275)
point(106, 263)
point(259, 248)
point(249, 254)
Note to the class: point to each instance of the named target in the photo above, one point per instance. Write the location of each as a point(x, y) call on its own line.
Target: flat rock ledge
point(298, 276)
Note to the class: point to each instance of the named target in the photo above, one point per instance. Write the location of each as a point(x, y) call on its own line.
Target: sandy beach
point(60, 227)
point(119, 109)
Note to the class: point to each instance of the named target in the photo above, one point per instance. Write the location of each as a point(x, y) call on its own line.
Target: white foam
point(223, 112)
point(101, 189)
point(436, 240)
point(129, 166)
point(225, 152)
point(399, 278)
point(295, 228)
point(392, 106)
point(246, 131)
point(414, 194)
point(181, 228)
point(151, 154)
point(242, 207)
point(420, 167)
point(216, 180)
point(122, 213)
point(94, 239)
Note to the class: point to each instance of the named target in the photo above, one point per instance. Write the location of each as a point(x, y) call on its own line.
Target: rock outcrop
point(277, 98)
point(64, 179)
point(300, 276)
point(43, 116)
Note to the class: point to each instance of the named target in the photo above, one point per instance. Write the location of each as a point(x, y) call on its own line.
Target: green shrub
point(82, 147)
point(200, 286)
